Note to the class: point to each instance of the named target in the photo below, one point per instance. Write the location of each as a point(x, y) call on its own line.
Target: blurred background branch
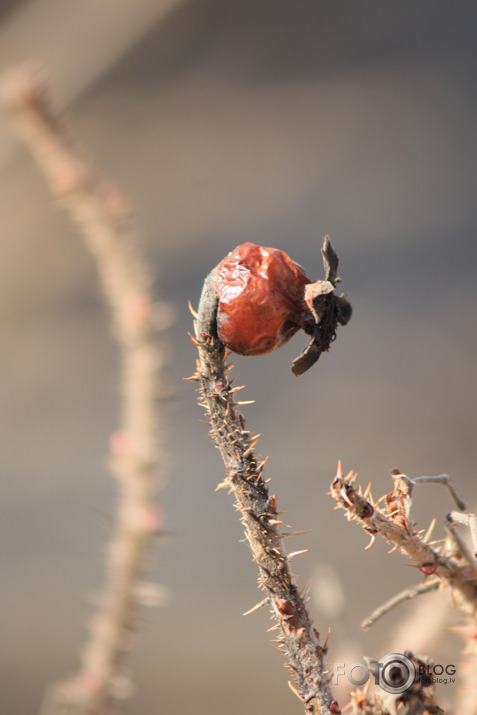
point(101, 211)
point(99, 33)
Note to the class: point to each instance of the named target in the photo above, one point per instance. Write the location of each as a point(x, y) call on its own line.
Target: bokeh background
point(229, 121)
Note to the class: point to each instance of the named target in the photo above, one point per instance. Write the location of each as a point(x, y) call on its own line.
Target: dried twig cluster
point(445, 563)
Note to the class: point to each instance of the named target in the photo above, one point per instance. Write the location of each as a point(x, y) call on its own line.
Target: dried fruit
point(261, 299)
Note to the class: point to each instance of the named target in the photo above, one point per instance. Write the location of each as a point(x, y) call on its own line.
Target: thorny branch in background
point(396, 527)
point(443, 564)
point(102, 212)
point(297, 637)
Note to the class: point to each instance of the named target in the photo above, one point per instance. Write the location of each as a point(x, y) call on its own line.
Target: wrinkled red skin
point(261, 299)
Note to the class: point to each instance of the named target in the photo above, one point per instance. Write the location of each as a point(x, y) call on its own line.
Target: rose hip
point(261, 299)
point(257, 298)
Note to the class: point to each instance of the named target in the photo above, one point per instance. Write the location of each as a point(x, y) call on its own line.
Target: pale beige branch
point(102, 213)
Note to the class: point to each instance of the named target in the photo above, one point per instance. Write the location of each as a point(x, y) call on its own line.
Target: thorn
point(256, 607)
point(345, 497)
point(272, 628)
point(438, 541)
point(327, 641)
point(373, 539)
point(150, 594)
point(254, 440)
point(194, 340)
point(246, 402)
point(429, 531)
point(367, 491)
point(395, 547)
point(192, 378)
point(339, 473)
point(294, 690)
point(286, 534)
point(295, 553)
point(192, 310)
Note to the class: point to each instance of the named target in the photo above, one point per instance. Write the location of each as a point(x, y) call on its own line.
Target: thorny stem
point(297, 636)
point(397, 528)
point(102, 215)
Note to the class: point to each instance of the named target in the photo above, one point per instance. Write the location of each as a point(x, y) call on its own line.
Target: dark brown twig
point(297, 636)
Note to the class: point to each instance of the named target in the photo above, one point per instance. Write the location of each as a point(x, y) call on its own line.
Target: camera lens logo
point(396, 673)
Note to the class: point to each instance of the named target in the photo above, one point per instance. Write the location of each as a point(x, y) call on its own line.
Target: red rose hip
point(261, 299)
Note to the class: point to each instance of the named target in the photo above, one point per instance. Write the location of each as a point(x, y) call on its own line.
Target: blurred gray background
point(231, 121)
